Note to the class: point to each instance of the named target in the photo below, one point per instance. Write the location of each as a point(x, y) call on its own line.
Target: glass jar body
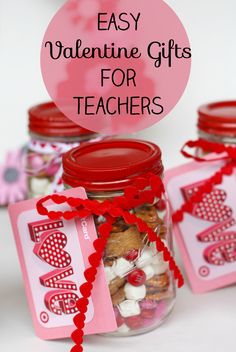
point(44, 159)
point(141, 286)
point(227, 140)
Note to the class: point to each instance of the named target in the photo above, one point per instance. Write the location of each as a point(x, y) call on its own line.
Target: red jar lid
point(218, 118)
point(110, 165)
point(47, 120)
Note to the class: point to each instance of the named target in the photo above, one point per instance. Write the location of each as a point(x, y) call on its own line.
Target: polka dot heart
point(211, 208)
point(51, 250)
point(219, 253)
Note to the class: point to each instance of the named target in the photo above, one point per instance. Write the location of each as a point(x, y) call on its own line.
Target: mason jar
point(141, 286)
point(51, 135)
point(217, 122)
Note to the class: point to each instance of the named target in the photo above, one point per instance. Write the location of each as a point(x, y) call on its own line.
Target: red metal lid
point(110, 165)
point(47, 120)
point(218, 118)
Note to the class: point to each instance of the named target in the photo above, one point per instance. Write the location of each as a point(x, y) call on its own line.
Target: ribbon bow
point(221, 153)
point(143, 190)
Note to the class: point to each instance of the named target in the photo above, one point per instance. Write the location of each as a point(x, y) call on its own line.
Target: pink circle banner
point(115, 66)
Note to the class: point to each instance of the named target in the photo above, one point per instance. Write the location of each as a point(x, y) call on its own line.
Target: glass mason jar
point(217, 123)
point(141, 286)
point(51, 135)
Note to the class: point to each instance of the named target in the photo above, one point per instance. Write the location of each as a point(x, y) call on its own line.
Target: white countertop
point(198, 322)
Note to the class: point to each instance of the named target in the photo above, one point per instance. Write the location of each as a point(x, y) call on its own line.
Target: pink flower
point(13, 186)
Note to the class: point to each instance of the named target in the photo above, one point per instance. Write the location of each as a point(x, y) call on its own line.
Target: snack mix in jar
point(217, 122)
point(141, 286)
point(51, 135)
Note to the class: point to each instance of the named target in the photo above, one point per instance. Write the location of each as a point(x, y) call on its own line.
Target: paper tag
point(207, 236)
point(53, 256)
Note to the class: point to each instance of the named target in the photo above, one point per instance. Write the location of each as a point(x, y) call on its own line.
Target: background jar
point(217, 122)
point(51, 135)
point(141, 286)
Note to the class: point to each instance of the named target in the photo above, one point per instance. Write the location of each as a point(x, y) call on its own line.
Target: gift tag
point(207, 236)
point(53, 256)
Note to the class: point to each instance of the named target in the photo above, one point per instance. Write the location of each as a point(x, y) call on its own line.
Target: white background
point(205, 322)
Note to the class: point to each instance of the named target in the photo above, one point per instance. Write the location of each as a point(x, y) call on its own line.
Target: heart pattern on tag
point(212, 207)
point(221, 252)
point(51, 249)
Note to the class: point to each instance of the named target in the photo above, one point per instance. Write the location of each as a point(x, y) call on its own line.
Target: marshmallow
point(160, 268)
point(123, 329)
point(134, 292)
point(122, 267)
point(129, 308)
point(145, 258)
point(158, 259)
point(48, 190)
point(109, 273)
point(38, 185)
point(149, 271)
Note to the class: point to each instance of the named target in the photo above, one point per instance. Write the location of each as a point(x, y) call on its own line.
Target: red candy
point(119, 319)
point(161, 205)
point(137, 277)
point(132, 255)
point(134, 323)
point(148, 313)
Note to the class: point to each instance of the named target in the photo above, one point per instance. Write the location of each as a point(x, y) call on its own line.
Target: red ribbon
point(223, 153)
point(134, 196)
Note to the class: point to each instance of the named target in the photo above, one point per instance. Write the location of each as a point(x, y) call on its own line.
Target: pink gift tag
point(207, 236)
point(53, 256)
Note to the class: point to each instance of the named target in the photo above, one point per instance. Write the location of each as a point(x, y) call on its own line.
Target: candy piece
point(145, 258)
point(148, 313)
point(137, 277)
point(132, 255)
point(148, 304)
point(122, 267)
point(52, 169)
point(161, 310)
point(134, 323)
point(161, 205)
point(119, 319)
point(48, 190)
point(149, 271)
point(123, 329)
point(148, 309)
point(118, 297)
point(129, 308)
point(109, 273)
point(116, 284)
point(119, 243)
point(136, 293)
point(38, 185)
point(35, 161)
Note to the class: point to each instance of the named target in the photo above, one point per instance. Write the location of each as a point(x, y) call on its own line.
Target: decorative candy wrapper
point(202, 196)
point(61, 257)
